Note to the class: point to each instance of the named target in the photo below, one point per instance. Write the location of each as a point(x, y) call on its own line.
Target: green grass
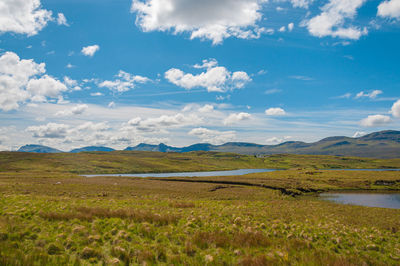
point(51, 216)
point(146, 162)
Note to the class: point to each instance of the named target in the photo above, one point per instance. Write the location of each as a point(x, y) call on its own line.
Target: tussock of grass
point(90, 213)
point(123, 221)
point(181, 204)
point(237, 239)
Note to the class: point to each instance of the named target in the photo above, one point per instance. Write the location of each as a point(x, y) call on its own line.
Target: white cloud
point(124, 82)
point(331, 22)
point(207, 19)
point(158, 124)
point(44, 87)
point(214, 79)
point(69, 66)
point(375, 121)
point(301, 3)
point(371, 95)
point(272, 91)
point(299, 77)
point(62, 20)
point(235, 118)
point(22, 80)
point(96, 94)
point(276, 140)
point(71, 83)
point(51, 130)
point(213, 136)
point(282, 29)
point(102, 126)
point(262, 72)
point(206, 108)
point(90, 50)
point(76, 110)
point(396, 109)
point(344, 96)
point(275, 111)
point(390, 8)
point(23, 16)
point(207, 64)
point(111, 105)
point(359, 134)
point(290, 26)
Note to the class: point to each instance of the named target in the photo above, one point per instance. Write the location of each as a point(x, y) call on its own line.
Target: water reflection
point(383, 200)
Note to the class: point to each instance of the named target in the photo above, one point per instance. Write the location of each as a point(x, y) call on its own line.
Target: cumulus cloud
point(371, 95)
point(213, 136)
point(389, 9)
point(275, 111)
point(206, 108)
point(301, 3)
point(22, 80)
point(290, 26)
point(395, 111)
point(276, 140)
point(76, 110)
point(359, 134)
point(214, 79)
point(158, 124)
point(91, 126)
point(23, 16)
point(44, 87)
point(90, 50)
point(235, 118)
point(124, 82)
point(331, 22)
point(375, 121)
point(51, 130)
point(207, 19)
point(72, 84)
point(62, 20)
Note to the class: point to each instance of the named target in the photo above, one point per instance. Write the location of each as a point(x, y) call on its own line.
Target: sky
point(117, 73)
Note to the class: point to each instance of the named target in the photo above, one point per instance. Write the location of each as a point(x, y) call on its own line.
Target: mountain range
point(383, 144)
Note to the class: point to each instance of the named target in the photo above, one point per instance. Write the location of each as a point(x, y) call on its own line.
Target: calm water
point(193, 174)
point(219, 173)
point(388, 200)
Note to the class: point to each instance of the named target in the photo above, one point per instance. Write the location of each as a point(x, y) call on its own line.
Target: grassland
point(145, 162)
point(51, 216)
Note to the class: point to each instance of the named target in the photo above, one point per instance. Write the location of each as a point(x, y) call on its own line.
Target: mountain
point(383, 144)
point(148, 147)
point(92, 148)
point(37, 149)
point(386, 135)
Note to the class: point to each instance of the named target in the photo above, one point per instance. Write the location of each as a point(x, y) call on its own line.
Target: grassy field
point(145, 162)
point(51, 216)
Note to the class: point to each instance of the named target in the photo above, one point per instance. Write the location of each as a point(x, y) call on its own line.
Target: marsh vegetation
point(57, 217)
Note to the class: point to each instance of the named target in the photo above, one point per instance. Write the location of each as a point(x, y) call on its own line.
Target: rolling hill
point(38, 149)
point(383, 144)
point(91, 148)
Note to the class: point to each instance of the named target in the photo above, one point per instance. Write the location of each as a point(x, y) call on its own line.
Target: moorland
point(51, 215)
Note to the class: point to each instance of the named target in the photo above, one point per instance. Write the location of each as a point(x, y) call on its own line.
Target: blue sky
point(118, 73)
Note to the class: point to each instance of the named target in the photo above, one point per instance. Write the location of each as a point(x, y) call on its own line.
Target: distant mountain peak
point(391, 135)
point(38, 149)
point(91, 148)
point(383, 144)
